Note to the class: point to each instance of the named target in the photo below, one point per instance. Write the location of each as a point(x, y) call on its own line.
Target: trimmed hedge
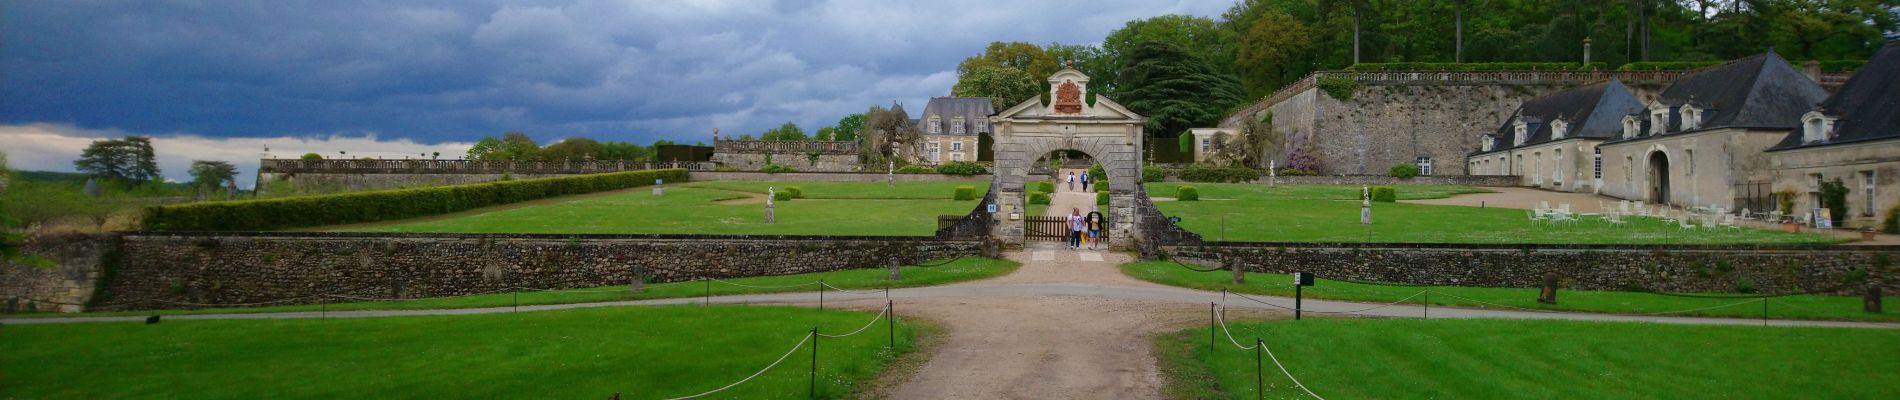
point(782, 195)
point(1338, 88)
point(1892, 223)
point(794, 192)
point(965, 168)
point(1668, 65)
point(1403, 171)
point(1187, 193)
point(384, 205)
point(1039, 198)
point(965, 193)
point(1385, 194)
point(1097, 175)
point(1101, 198)
point(1153, 174)
point(1204, 173)
point(1496, 66)
point(775, 168)
point(916, 169)
point(1046, 187)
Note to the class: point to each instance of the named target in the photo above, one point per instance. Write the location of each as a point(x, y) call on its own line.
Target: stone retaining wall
point(1678, 269)
point(1385, 180)
point(226, 269)
point(64, 286)
point(832, 177)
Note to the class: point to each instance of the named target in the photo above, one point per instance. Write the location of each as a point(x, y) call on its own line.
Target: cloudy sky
point(224, 79)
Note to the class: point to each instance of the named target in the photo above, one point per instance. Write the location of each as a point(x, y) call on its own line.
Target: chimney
point(1813, 70)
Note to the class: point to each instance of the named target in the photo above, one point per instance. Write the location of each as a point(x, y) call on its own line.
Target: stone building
point(1207, 141)
point(951, 126)
point(1551, 141)
point(1851, 138)
point(1702, 142)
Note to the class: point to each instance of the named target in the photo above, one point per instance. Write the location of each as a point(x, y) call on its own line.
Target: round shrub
point(965, 193)
point(1892, 223)
point(782, 196)
point(312, 156)
point(1097, 174)
point(1205, 173)
point(1101, 198)
point(915, 169)
point(1046, 187)
point(1039, 198)
point(1403, 171)
point(965, 168)
point(1187, 193)
point(794, 191)
point(1385, 194)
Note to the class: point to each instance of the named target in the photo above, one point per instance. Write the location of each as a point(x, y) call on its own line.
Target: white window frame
point(982, 125)
point(956, 156)
point(1631, 126)
point(936, 125)
point(1523, 132)
point(1425, 165)
point(956, 126)
point(1867, 187)
point(1598, 162)
point(1558, 128)
point(956, 146)
point(1537, 168)
point(935, 151)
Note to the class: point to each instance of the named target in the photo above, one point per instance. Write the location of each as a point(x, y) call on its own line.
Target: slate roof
point(945, 108)
point(1867, 107)
point(1592, 111)
point(1760, 91)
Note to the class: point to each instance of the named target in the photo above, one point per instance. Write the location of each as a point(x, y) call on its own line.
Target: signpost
point(1300, 280)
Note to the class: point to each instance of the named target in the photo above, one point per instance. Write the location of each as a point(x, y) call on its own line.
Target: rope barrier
point(781, 359)
point(1373, 308)
point(867, 325)
point(761, 286)
point(1498, 305)
point(1261, 302)
point(942, 263)
point(1191, 268)
point(1289, 375)
point(851, 291)
point(1705, 308)
point(1221, 317)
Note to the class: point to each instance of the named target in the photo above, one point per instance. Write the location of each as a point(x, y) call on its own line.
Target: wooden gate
point(1046, 229)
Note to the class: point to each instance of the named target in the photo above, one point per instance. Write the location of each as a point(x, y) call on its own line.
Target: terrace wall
point(831, 177)
point(1387, 180)
point(153, 270)
point(276, 177)
point(1677, 269)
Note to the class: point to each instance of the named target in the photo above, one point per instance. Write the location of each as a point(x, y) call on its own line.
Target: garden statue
point(890, 175)
point(1365, 205)
point(769, 194)
point(659, 187)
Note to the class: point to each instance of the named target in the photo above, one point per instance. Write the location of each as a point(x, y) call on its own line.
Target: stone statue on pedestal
point(1365, 205)
point(769, 194)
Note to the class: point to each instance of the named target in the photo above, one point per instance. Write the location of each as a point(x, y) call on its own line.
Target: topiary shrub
point(1153, 174)
point(1290, 171)
point(1892, 223)
point(775, 168)
point(915, 169)
point(1039, 198)
point(1101, 198)
point(1403, 171)
point(1187, 193)
point(1097, 175)
point(1385, 194)
point(782, 195)
point(794, 191)
point(965, 193)
point(965, 168)
point(1046, 187)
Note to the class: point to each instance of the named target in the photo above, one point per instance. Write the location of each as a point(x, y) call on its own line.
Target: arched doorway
point(1106, 132)
point(1658, 177)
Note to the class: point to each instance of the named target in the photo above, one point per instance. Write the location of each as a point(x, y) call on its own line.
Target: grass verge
point(965, 269)
point(639, 352)
point(1814, 307)
point(1525, 359)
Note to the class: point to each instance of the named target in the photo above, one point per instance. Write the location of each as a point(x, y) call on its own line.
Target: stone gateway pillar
point(1104, 129)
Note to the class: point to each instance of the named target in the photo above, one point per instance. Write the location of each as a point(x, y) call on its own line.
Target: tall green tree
point(788, 132)
point(1175, 89)
point(575, 148)
point(1199, 36)
point(1270, 52)
point(888, 135)
point(130, 159)
point(1090, 60)
point(1019, 55)
point(848, 127)
point(511, 146)
point(1005, 86)
point(211, 174)
point(825, 134)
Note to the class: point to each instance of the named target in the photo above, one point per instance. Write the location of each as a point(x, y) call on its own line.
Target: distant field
point(1523, 359)
point(639, 352)
point(718, 207)
point(1255, 212)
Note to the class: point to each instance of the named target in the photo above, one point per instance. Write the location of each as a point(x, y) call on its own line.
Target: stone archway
point(1105, 130)
point(1658, 177)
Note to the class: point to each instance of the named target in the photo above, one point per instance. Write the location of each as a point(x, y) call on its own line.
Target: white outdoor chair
point(1543, 204)
point(1746, 215)
point(1728, 221)
point(1774, 217)
point(1535, 216)
point(1684, 224)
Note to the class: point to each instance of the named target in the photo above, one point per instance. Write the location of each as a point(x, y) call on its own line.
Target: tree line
point(1184, 71)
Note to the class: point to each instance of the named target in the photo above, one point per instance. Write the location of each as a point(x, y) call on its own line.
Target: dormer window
point(1816, 128)
point(1490, 143)
point(956, 125)
point(1558, 129)
point(1658, 121)
point(982, 125)
point(1523, 132)
point(935, 125)
point(1691, 117)
point(1631, 126)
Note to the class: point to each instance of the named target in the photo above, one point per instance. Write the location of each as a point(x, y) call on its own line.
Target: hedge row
point(384, 205)
point(1498, 66)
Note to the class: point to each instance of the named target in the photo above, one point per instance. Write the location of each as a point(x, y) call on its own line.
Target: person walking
point(1071, 181)
point(1094, 222)
point(1085, 182)
point(1075, 228)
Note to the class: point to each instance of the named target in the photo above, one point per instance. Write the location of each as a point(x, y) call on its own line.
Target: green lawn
point(965, 269)
point(1255, 212)
point(639, 352)
point(830, 208)
point(1790, 307)
point(1514, 359)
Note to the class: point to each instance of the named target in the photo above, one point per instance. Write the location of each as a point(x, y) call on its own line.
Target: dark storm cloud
point(452, 71)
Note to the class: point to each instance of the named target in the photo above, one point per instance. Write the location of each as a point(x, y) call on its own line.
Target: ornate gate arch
point(1105, 130)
